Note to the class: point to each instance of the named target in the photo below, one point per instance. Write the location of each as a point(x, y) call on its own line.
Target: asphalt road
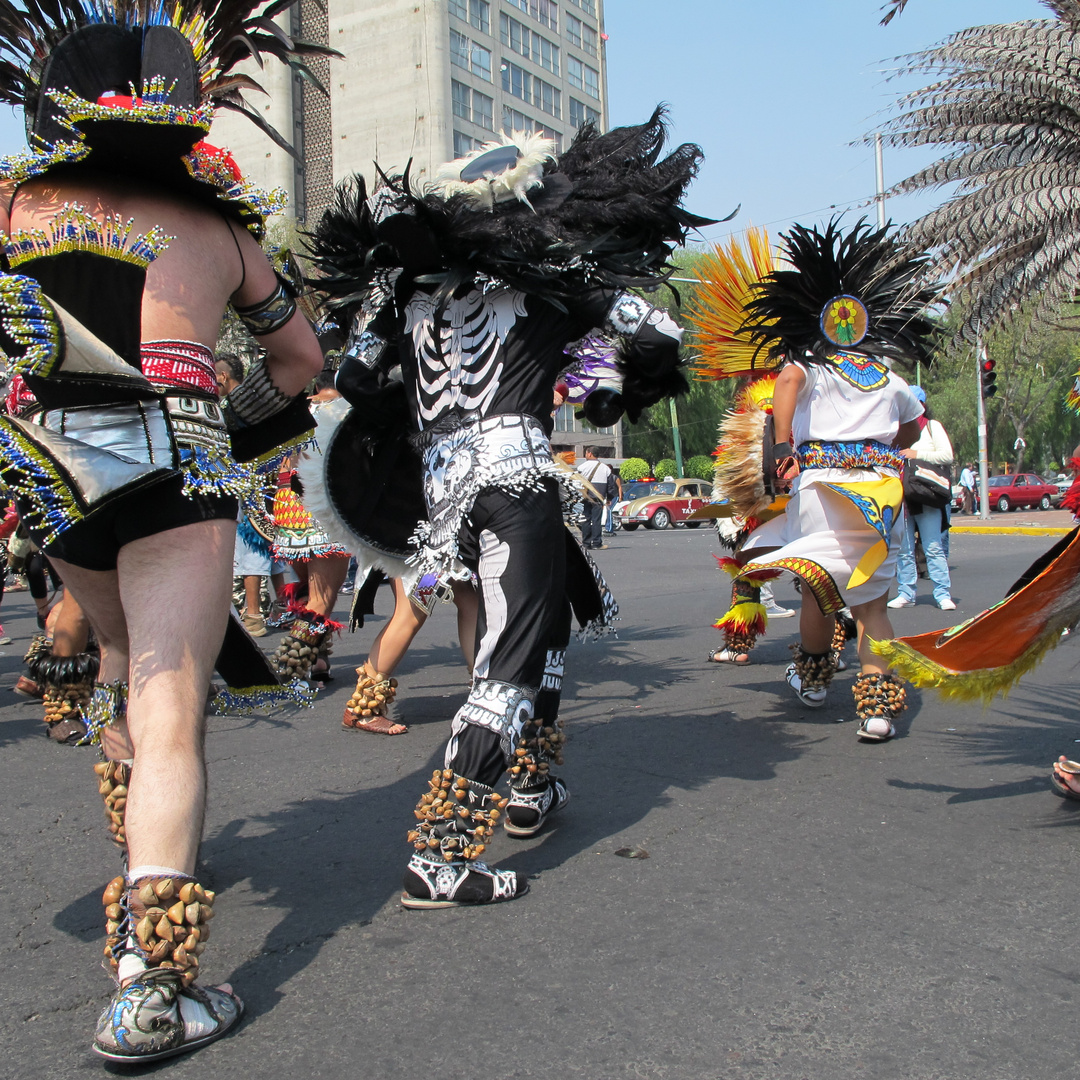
point(811, 907)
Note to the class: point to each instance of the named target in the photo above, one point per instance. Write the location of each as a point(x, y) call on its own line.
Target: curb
point(1012, 530)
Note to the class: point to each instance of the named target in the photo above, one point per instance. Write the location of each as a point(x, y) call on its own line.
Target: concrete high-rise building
point(421, 80)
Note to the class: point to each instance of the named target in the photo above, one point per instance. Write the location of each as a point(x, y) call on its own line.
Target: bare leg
point(71, 630)
point(468, 609)
point(278, 582)
point(171, 592)
point(873, 622)
point(815, 629)
point(252, 599)
point(394, 639)
point(326, 575)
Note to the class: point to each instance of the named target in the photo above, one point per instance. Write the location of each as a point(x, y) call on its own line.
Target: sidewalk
point(1018, 522)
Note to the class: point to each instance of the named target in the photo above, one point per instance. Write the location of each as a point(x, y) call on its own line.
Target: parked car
point(656, 504)
point(1020, 489)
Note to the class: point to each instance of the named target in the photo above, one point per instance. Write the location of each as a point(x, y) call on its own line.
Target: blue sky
point(775, 90)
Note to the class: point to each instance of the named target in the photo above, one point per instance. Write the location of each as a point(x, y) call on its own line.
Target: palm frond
point(1005, 106)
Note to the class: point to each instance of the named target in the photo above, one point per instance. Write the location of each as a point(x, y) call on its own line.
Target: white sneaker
point(775, 611)
point(948, 604)
point(900, 601)
point(813, 698)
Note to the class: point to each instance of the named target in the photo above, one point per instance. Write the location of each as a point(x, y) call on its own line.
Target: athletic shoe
point(4, 639)
point(814, 699)
point(899, 602)
point(775, 611)
point(948, 604)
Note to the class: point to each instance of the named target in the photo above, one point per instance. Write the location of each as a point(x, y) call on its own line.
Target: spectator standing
point(967, 489)
point(598, 474)
point(934, 449)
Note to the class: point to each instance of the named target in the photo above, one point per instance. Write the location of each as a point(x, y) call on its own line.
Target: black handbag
point(927, 484)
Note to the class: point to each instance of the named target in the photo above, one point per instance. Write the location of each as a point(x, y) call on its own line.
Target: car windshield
point(999, 481)
point(641, 489)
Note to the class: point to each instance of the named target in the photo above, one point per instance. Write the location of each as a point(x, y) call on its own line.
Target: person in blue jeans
point(934, 448)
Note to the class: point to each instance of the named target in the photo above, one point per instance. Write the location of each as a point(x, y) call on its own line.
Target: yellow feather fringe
point(982, 684)
point(728, 276)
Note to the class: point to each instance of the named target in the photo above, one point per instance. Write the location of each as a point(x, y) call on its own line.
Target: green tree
point(702, 466)
point(634, 469)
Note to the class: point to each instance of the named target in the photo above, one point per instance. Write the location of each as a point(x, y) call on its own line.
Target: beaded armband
point(270, 314)
point(256, 399)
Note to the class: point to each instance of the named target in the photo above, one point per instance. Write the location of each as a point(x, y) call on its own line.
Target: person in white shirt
point(967, 489)
point(933, 448)
point(598, 474)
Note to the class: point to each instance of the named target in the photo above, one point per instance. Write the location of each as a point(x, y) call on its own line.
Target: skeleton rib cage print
point(458, 348)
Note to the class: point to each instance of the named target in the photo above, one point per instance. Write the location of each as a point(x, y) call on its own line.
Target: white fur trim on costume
point(515, 183)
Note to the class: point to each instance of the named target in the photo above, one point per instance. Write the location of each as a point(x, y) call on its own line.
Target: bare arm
point(789, 383)
point(908, 435)
point(294, 357)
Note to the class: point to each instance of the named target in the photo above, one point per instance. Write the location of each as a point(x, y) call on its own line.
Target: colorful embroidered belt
point(181, 365)
point(849, 455)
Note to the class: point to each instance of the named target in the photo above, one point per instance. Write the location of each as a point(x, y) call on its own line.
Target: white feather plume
point(516, 183)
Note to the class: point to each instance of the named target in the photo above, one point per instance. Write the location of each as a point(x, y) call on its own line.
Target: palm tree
point(1005, 100)
point(895, 7)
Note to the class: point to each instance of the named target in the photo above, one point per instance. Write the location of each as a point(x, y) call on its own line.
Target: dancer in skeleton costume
point(473, 291)
point(849, 301)
point(127, 237)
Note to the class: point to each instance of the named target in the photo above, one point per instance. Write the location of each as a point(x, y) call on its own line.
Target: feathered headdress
point(1003, 101)
point(856, 291)
point(716, 314)
point(607, 212)
point(220, 33)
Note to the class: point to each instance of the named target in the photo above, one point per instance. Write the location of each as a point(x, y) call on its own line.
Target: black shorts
point(95, 542)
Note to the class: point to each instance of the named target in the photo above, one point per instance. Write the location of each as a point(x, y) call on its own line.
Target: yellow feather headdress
point(716, 312)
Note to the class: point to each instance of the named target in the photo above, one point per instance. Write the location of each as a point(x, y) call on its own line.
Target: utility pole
point(984, 459)
point(880, 200)
point(677, 437)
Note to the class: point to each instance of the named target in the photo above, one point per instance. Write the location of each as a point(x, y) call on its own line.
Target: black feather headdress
point(784, 316)
point(606, 212)
point(221, 34)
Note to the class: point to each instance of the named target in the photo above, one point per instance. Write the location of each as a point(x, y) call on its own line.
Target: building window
point(583, 77)
point(469, 104)
point(459, 8)
point(580, 113)
point(470, 56)
point(483, 111)
point(519, 38)
point(459, 50)
point(479, 15)
point(547, 98)
point(588, 6)
point(463, 144)
point(517, 82)
point(582, 35)
point(513, 121)
point(462, 99)
point(481, 65)
point(592, 81)
point(545, 12)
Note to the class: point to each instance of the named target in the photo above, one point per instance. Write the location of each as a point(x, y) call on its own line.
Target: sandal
point(69, 732)
point(876, 729)
point(377, 725)
point(728, 656)
point(1070, 768)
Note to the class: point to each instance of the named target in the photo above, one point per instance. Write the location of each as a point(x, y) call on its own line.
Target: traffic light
point(989, 378)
